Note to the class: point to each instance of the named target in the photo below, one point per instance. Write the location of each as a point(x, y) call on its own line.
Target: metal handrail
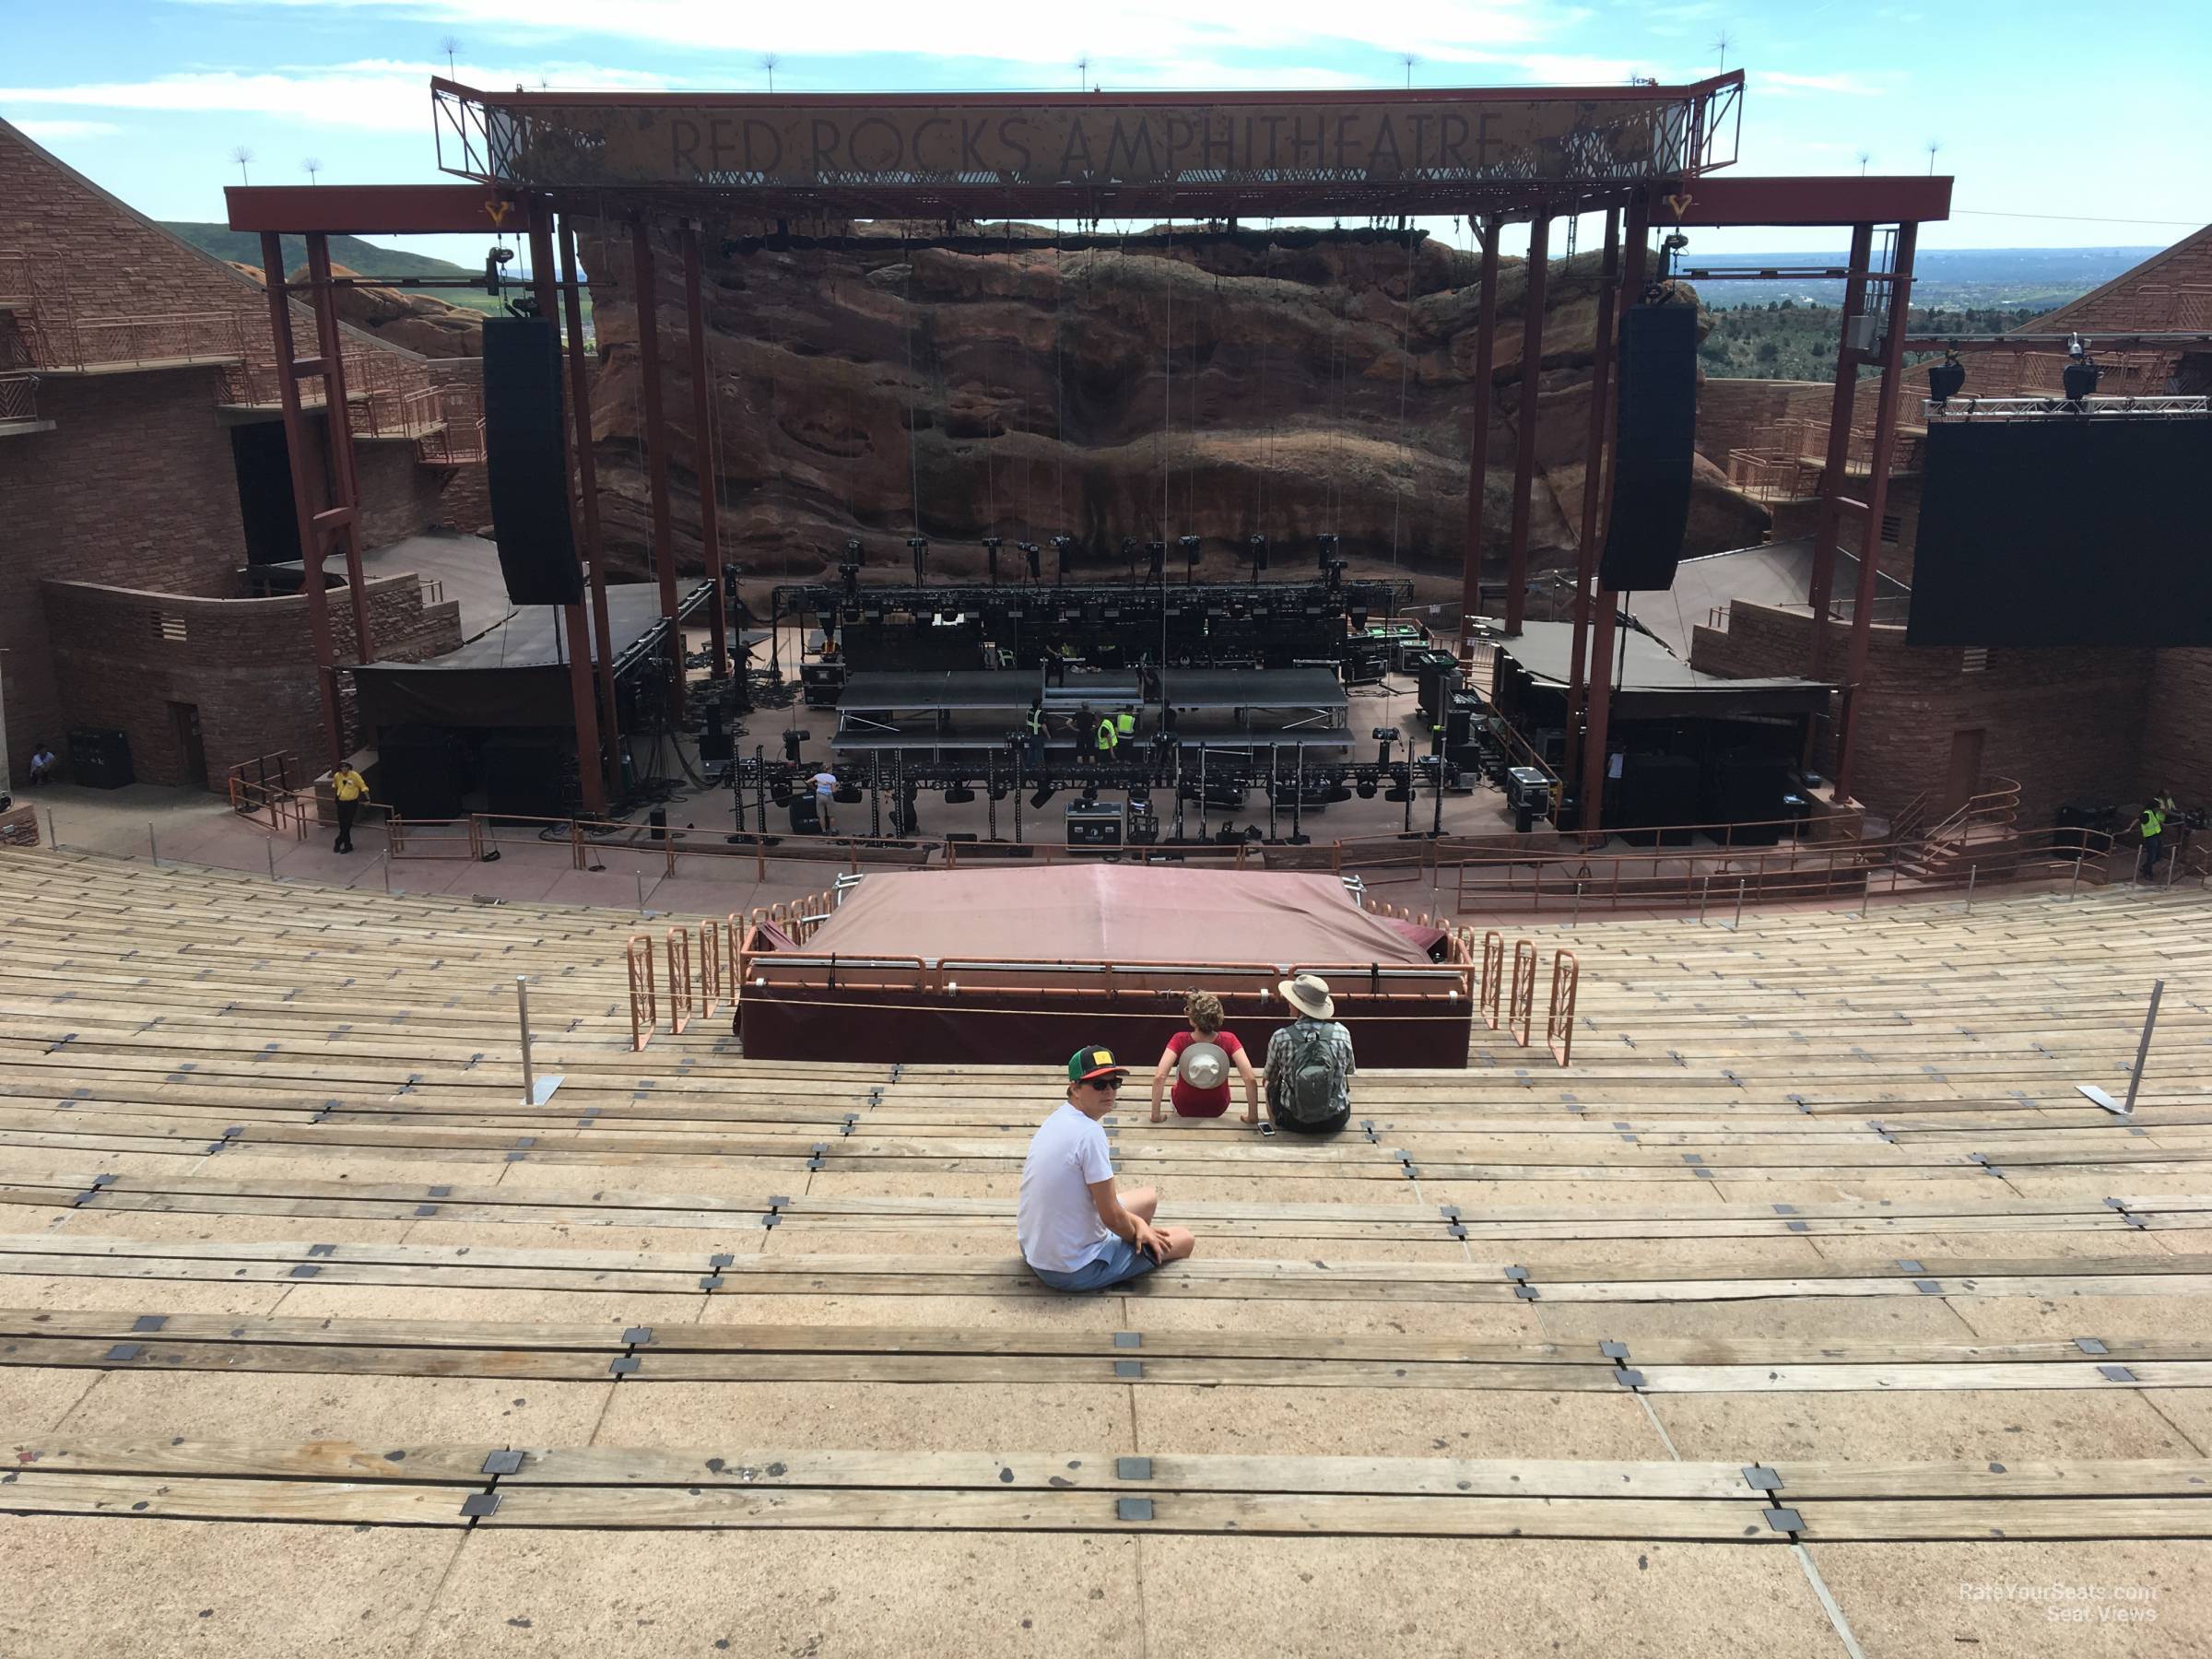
point(1493, 976)
point(644, 998)
point(680, 980)
point(1558, 1019)
point(1520, 1011)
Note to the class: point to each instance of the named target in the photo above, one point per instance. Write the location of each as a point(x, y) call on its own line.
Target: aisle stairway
point(1813, 1279)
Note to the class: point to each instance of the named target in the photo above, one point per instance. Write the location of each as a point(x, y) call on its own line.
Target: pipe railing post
point(52, 837)
point(270, 848)
point(1704, 896)
point(537, 1091)
point(153, 848)
point(1737, 926)
point(640, 876)
point(1973, 870)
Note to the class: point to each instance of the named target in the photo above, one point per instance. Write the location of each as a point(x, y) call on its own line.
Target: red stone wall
point(2177, 732)
point(1748, 414)
point(2063, 722)
point(399, 494)
point(122, 656)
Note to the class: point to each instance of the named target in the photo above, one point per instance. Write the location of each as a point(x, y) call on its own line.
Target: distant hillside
point(1787, 341)
point(1955, 278)
point(245, 246)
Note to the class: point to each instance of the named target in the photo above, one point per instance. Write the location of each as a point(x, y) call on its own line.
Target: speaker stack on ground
point(1656, 438)
point(526, 465)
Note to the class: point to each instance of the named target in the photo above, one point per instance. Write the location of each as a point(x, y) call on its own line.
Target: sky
point(2058, 135)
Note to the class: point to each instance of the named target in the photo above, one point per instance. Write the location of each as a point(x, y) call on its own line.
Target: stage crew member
point(348, 789)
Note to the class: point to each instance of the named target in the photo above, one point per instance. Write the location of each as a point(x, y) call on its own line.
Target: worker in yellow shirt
point(349, 789)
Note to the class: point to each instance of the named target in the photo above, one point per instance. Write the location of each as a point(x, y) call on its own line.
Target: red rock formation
point(1217, 386)
point(418, 322)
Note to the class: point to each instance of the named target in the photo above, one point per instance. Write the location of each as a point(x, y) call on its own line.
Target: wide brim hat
point(1203, 1064)
point(1308, 994)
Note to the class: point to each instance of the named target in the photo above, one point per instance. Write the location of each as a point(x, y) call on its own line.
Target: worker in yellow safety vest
point(2154, 838)
point(348, 789)
point(1124, 724)
point(1108, 736)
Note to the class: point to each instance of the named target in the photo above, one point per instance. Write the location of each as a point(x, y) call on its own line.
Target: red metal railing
point(1558, 1019)
point(1493, 976)
point(1521, 1000)
point(644, 998)
point(166, 337)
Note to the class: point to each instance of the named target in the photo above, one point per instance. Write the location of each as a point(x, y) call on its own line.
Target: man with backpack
point(1310, 1063)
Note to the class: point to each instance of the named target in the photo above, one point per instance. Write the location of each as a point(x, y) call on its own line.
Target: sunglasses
point(1106, 1083)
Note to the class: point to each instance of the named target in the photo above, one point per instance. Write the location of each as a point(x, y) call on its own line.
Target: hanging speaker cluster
point(526, 462)
point(1656, 437)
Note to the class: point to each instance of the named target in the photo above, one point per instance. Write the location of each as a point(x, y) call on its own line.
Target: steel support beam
point(1606, 604)
point(303, 505)
point(1525, 440)
point(1877, 498)
point(656, 451)
point(372, 209)
point(1593, 472)
point(702, 449)
point(590, 775)
point(587, 491)
point(1841, 405)
point(1478, 446)
point(345, 514)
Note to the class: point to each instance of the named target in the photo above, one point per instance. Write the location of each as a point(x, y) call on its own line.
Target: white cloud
point(378, 94)
point(1785, 86)
point(1011, 31)
point(49, 132)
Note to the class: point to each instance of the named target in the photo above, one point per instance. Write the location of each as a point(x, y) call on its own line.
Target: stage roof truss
point(1201, 154)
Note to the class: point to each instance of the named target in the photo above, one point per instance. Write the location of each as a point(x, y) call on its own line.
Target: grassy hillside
point(1786, 341)
point(244, 247)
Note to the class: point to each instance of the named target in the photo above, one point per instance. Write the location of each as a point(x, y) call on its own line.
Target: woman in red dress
point(1202, 1077)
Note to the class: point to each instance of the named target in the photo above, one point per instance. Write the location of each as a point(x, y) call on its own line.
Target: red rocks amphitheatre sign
point(1145, 142)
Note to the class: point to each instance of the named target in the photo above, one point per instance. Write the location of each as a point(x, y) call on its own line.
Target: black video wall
point(2071, 530)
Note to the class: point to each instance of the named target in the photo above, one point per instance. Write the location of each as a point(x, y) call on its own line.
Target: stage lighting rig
point(1156, 558)
point(991, 546)
point(496, 259)
point(1036, 561)
point(1328, 539)
point(1062, 545)
point(1945, 378)
point(1189, 543)
point(2081, 373)
point(1259, 555)
point(920, 546)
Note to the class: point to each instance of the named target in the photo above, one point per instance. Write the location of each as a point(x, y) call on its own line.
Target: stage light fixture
point(991, 546)
point(1945, 378)
point(1029, 551)
point(958, 795)
point(918, 545)
point(1042, 794)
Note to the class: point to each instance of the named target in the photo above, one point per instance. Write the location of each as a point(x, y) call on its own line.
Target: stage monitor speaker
point(1657, 434)
point(99, 758)
point(805, 818)
point(526, 466)
point(2067, 529)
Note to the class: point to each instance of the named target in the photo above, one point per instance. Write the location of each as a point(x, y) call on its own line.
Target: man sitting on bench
point(1076, 1232)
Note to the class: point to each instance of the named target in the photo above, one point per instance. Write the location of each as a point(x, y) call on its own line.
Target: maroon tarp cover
point(1112, 913)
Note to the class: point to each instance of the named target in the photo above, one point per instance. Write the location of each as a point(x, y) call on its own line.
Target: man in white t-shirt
point(1076, 1232)
point(825, 789)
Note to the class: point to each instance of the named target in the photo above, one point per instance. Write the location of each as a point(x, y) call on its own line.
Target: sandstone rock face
point(1211, 385)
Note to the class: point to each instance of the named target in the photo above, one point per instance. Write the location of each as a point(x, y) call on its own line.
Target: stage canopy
point(513, 674)
point(1113, 913)
point(1653, 684)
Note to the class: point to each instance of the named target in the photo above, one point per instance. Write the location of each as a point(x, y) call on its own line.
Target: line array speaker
point(526, 467)
point(1657, 435)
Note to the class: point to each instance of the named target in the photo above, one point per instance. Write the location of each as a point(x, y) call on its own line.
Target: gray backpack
point(1310, 1095)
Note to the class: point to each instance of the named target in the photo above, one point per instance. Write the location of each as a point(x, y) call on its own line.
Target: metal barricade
point(644, 997)
point(710, 967)
point(680, 980)
point(1493, 976)
point(1558, 1019)
point(1520, 1015)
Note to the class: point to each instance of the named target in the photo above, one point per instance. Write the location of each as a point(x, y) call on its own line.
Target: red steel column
point(303, 506)
point(703, 448)
point(1607, 602)
point(1478, 448)
point(1525, 440)
point(345, 511)
point(1594, 451)
point(590, 775)
point(1839, 446)
point(587, 490)
point(1878, 494)
point(656, 451)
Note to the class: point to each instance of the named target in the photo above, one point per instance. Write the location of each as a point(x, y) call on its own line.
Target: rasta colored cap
point(1087, 1062)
